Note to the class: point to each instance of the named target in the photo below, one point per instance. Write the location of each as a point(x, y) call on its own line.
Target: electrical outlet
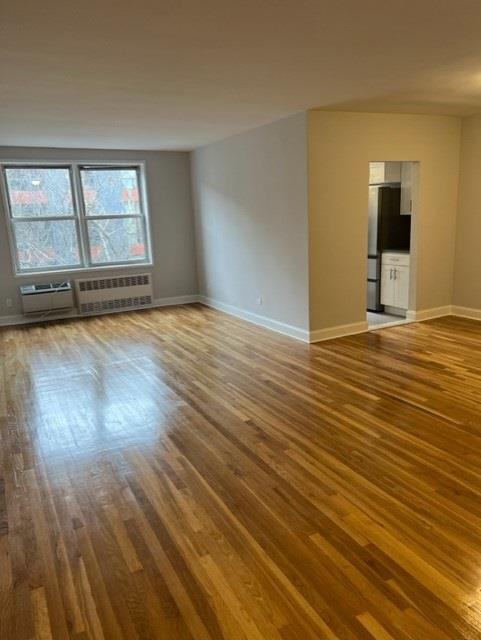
point(259, 300)
point(8, 302)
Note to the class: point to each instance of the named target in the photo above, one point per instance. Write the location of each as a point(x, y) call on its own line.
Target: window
point(75, 216)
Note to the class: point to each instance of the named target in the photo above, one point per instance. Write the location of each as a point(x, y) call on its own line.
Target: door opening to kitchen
point(392, 206)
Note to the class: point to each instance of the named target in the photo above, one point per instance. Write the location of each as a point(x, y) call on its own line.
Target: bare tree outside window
point(46, 244)
point(114, 217)
point(58, 222)
point(43, 218)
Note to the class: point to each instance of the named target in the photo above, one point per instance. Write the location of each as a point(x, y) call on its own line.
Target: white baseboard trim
point(429, 314)
point(280, 327)
point(9, 321)
point(338, 332)
point(6, 321)
point(466, 312)
point(169, 302)
point(255, 318)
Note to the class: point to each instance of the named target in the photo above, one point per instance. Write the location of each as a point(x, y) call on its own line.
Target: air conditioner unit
point(46, 298)
point(96, 295)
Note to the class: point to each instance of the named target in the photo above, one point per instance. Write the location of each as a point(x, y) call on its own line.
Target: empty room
point(240, 320)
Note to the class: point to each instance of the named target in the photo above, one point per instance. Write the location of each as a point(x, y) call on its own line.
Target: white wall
point(171, 219)
point(341, 145)
point(250, 204)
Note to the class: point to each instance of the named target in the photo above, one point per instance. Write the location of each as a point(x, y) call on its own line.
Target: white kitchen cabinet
point(401, 287)
point(387, 286)
point(395, 280)
point(407, 183)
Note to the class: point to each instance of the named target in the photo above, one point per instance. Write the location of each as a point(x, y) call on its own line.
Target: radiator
point(95, 295)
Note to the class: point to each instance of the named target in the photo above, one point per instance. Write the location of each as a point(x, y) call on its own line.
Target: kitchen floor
point(375, 320)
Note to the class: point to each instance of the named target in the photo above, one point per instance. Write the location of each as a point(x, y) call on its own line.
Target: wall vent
point(98, 284)
point(95, 295)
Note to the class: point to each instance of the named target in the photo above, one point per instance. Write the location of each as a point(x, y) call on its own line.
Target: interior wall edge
point(467, 264)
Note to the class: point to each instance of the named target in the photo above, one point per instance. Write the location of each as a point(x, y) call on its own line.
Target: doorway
point(391, 210)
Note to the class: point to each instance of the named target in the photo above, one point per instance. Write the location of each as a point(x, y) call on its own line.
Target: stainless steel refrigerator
point(388, 231)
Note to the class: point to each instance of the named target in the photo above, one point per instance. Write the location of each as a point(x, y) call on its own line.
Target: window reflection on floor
point(87, 406)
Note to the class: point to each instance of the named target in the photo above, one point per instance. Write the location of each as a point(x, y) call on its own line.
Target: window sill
point(83, 270)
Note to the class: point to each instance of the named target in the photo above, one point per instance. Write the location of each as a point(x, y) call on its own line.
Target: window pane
point(116, 240)
point(35, 192)
point(110, 192)
point(46, 244)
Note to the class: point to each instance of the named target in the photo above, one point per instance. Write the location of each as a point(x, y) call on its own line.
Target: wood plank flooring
point(180, 474)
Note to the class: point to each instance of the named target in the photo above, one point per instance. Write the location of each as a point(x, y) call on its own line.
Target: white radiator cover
point(96, 295)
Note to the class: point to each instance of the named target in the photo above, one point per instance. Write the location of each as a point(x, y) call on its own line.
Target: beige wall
point(171, 220)
point(341, 145)
point(467, 271)
point(250, 197)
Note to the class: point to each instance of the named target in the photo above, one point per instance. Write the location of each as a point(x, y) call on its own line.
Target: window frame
point(79, 214)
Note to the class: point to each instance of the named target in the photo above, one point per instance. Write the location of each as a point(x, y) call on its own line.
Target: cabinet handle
point(395, 274)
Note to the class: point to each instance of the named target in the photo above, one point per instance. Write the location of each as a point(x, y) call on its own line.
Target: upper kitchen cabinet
point(381, 172)
point(407, 188)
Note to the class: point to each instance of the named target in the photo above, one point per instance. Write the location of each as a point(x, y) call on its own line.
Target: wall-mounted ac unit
point(48, 298)
point(95, 295)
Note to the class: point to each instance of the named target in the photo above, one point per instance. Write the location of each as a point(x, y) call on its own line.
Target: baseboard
point(6, 321)
point(429, 314)
point(280, 327)
point(255, 318)
point(170, 302)
point(338, 332)
point(466, 312)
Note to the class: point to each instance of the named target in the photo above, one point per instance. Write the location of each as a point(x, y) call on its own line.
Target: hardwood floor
point(179, 474)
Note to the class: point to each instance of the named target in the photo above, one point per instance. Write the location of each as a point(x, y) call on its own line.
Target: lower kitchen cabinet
point(395, 280)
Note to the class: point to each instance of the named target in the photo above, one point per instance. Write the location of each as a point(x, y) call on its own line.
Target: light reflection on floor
point(79, 405)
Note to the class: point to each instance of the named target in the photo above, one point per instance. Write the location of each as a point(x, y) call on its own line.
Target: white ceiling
point(176, 74)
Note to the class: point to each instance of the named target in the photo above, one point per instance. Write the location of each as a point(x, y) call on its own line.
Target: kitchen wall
point(467, 269)
point(171, 219)
point(341, 145)
point(250, 203)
